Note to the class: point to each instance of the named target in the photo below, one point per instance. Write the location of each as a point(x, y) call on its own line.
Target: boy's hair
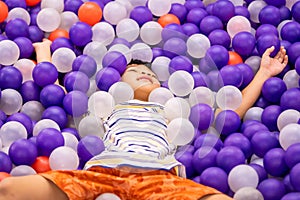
point(139, 62)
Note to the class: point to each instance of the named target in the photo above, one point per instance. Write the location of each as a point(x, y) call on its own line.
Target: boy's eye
point(132, 70)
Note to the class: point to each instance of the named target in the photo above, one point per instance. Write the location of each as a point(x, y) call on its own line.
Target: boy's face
point(141, 79)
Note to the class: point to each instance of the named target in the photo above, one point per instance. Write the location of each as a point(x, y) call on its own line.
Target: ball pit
point(203, 53)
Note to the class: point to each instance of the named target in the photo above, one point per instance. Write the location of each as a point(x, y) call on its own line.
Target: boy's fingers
point(269, 51)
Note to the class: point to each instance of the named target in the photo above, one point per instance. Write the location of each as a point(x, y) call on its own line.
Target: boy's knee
point(6, 186)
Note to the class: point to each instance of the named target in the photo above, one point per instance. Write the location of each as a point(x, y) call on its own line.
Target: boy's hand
point(273, 66)
point(44, 44)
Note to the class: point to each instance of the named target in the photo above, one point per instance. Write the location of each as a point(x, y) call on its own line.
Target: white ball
point(34, 109)
point(177, 108)
point(11, 101)
point(254, 8)
point(248, 193)
point(68, 18)
point(160, 95)
point(238, 24)
point(180, 131)
point(9, 53)
point(160, 66)
point(42, 124)
point(290, 134)
point(96, 50)
point(63, 158)
point(26, 67)
point(101, 104)
point(128, 29)
point(103, 32)
point(197, 44)
point(12, 131)
point(150, 33)
point(253, 113)
point(113, 12)
point(70, 140)
point(43, 21)
point(20, 13)
point(229, 97)
point(291, 79)
point(121, 92)
point(107, 196)
point(55, 4)
point(181, 83)
point(202, 95)
point(287, 117)
point(158, 7)
point(63, 59)
point(91, 125)
point(122, 48)
point(22, 170)
point(141, 51)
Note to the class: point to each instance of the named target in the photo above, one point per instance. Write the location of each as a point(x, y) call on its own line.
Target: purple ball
point(5, 163)
point(248, 123)
point(174, 47)
point(206, 64)
point(172, 30)
point(260, 170)
point(290, 32)
point(293, 52)
point(295, 11)
point(115, 60)
point(292, 155)
point(266, 29)
point(44, 73)
point(120, 41)
point(200, 79)
point(195, 16)
point(210, 140)
point(178, 10)
point(180, 63)
point(224, 10)
point(262, 142)
point(85, 64)
point(266, 41)
point(186, 159)
point(203, 158)
point(73, 131)
point(291, 196)
point(16, 28)
point(157, 51)
point(15, 3)
point(250, 130)
point(52, 95)
point(247, 73)
point(243, 43)
point(35, 33)
point(297, 66)
point(285, 13)
point(72, 5)
point(56, 114)
point(290, 99)
point(190, 29)
point(75, 103)
point(23, 152)
point(210, 23)
point(201, 116)
point(269, 116)
point(89, 146)
point(3, 116)
point(190, 4)
point(106, 77)
point(220, 37)
point(227, 122)
point(76, 80)
point(47, 140)
point(274, 162)
point(269, 15)
point(229, 157)
point(208, 178)
point(186, 148)
point(10, 77)
point(230, 75)
point(141, 14)
point(294, 177)
point(218, 54)
point(240, 141)
point(272, 189)
point(61, 42)
point(25, 46)
point(262, 102)
point(213, 84)
point(24, 119)
point(242, 11)
point(80, 33)
point(277, 3)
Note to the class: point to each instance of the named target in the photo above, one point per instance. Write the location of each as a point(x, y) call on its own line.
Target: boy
point(138, 162)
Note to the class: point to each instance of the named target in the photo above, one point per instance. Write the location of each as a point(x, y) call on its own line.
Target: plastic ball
point(278, 168)
point(47, 140)
point(25, 66)
point(70, 140)
point(254, 8)
point(248, 193)
point(90, 13)
point(68, 18)
point(141, 14)
point(243, 43)
point(290, 31)
point(12, 131)
point(63, 158)
point(174, 46)
point(289, 99)
point(35, 33)
point(16, 28)
point(22, 170)
point(262, 174)
point(230, 75)
point(227, 122)
point(185, 157)
point(293, 52)
point(44, 73)
point(229, 97)
point(57, 114)
point(218, 55)
point(180, 63)
point(295, 14)
point(32, 2)
point(76, 80)
point(33, 109)
point(224, 10)
point(96, 50)
point(285, 134)
point(90, 125)
point(229, 157)
point(80, 34)
point(180, 131)
point(43, 124)
point(206, 178)
point(247, 72)
point(103, 32)
point(43, 21)
point(4, 11)
point(10, 77)
point(190, 29)
point(30, 91)
point(23, 119)
point(291, 155)
point(114, 12)
point(242, 176)
point(11, 101)
point(291, 79)
point(108, 196)
point(179, 10)
point(160, 66)
point(123, 49)
point(287, 117)
point(210, 23)
point(176, 108)
point(160, 95)
point(266, 29)
point(106, 77)
point(197, 44)
point(270, 115)
point(253, 113)
point(181, 83)
point(266, 41)
point(58, 33)
point(240, 141)
point(115, 60)
point(23, 152)
point(75, 103)
point(200, 79)
point(291, 196)
point(201, 116)
point(6, 163)
point(101, 103)
point(20, 13)
point(253, 62)
point(121, 92)
point(272, 189)
point(150, 32)
point(203, 158)
point(159, 8)
point(89, 146)
point(127, 29)
point(41, 164)
point(25, 46)
point(52, 95)
point(141, 51)
point(251, 129)
point(269, 15)
point(238, 24)
point(63, 58)
point(201, 94)
point(10, 52)
point(208, 139)
point(234, 58)
point(57, 5)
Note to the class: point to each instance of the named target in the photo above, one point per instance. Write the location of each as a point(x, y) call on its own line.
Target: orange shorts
point(128, 183)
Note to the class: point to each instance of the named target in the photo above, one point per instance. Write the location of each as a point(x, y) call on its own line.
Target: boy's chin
point(142, 93)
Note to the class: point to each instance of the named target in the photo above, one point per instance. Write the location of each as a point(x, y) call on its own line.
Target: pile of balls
point(204, 53)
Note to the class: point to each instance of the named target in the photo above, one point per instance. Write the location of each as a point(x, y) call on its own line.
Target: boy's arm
point(269, 67)
point(42, 50)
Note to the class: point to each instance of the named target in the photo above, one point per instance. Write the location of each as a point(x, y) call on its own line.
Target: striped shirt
point(136, 136)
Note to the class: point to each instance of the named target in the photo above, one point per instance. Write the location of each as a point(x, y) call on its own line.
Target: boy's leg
point(31, 187)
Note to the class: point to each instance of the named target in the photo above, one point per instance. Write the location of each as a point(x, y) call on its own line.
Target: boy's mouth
point(145, 78)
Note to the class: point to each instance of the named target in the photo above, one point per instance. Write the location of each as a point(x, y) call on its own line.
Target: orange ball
point(166, 19)
point(32, 2)
point(90, 13)
point(4, 175)
point(41, 164)
point(3, 11)
point(58, 33)
point(234, 58)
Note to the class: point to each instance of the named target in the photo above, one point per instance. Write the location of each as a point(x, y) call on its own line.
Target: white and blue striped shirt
point(136, 136)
